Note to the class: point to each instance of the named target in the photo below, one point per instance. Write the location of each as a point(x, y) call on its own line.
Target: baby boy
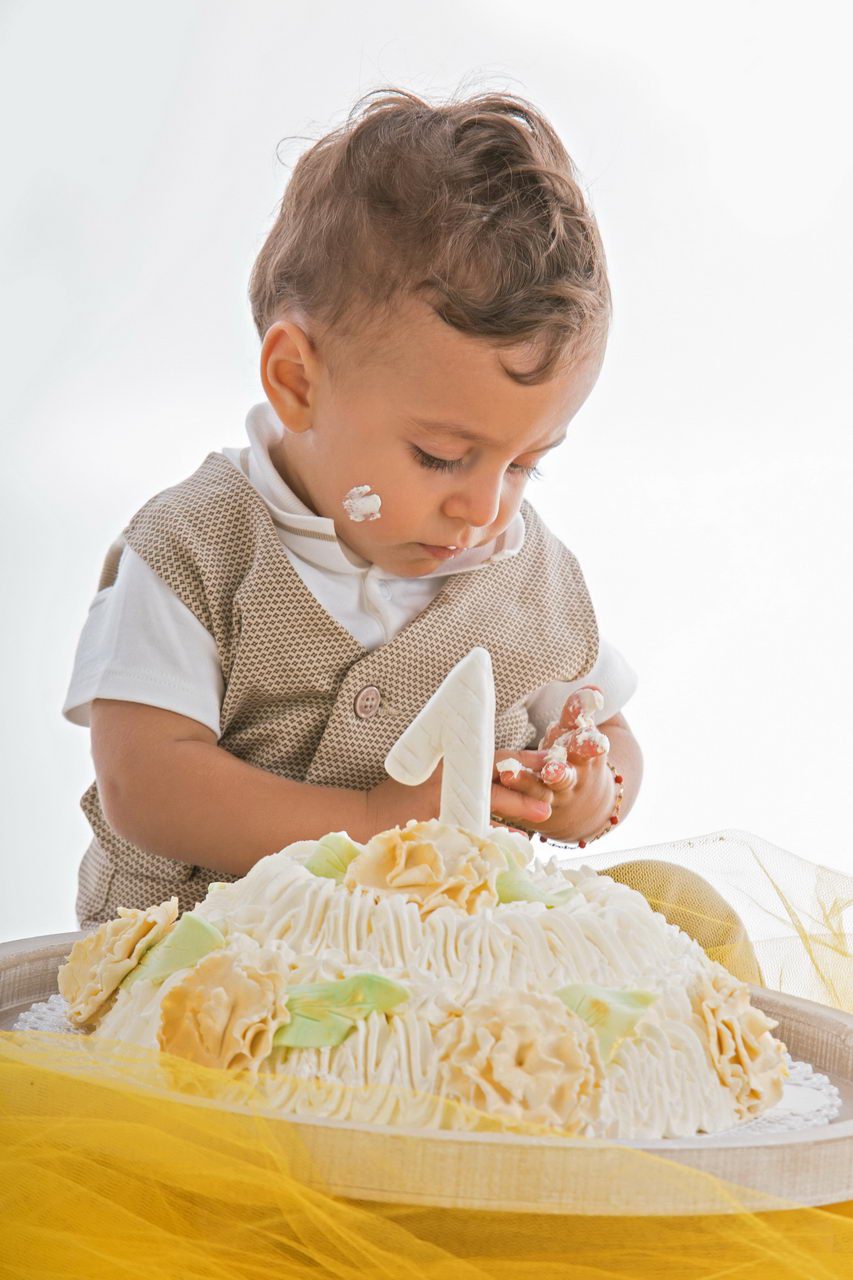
point(433, 308)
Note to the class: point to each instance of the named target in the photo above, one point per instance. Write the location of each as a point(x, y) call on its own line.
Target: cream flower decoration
point(748, 1059)
point(523, 1056)
point(99, 962)
point(433, 864)
point(225, 1011)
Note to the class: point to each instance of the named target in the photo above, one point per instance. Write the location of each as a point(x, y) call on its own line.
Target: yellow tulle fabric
point(116, 1162)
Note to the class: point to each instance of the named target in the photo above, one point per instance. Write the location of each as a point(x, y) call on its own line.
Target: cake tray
point(499, 1172)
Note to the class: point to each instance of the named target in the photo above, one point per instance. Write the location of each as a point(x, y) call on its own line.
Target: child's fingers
point(580, 706)
point(583, 702)
point(519, 761)
point(517, 804)
point(559, 775)
point(576, 737)
point(511, 767)
point(583, 744)
point(528, 782)
point(556, 775)
point(518, 773)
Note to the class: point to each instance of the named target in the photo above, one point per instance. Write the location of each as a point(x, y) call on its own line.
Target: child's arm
point(166, 786)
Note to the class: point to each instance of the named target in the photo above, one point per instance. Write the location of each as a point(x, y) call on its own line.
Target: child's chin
point(410, 561)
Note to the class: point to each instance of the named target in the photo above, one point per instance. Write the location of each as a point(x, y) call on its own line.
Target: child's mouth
point(439, 553)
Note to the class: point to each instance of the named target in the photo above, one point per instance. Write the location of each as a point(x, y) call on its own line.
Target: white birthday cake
point(434, 977)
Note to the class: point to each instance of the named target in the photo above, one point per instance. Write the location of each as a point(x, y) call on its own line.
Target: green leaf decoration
point(612, 1014)
point(514, 886)
point(184, 945)
point(324, 1013)
point(332, 856)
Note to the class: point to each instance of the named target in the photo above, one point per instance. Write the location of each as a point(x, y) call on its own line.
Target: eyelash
point(444, 464)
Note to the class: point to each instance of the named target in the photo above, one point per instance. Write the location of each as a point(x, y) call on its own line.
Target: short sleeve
point(611, 672)
point(140, 643)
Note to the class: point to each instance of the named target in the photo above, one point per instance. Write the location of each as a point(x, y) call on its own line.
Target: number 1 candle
point(458, 726)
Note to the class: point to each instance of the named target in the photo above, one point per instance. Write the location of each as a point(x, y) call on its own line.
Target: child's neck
point(289, 474)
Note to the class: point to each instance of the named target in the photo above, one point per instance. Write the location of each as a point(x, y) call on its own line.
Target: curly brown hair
point(472, 205)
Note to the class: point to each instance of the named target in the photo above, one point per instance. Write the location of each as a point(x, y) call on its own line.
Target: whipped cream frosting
point(510, 765)
point(100, 961)
point(435, 865)
point(483, 1032)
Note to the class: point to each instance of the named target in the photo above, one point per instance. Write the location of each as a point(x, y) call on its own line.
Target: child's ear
point(288, 368)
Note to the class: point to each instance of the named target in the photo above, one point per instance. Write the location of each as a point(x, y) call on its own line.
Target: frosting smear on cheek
point(361, 504)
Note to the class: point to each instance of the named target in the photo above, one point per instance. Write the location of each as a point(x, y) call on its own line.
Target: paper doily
point(808, 1099)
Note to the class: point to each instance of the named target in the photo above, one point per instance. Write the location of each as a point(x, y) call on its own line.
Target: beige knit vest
point(293, 674)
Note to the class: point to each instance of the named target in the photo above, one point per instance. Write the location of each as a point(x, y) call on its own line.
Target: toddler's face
point(378, 424)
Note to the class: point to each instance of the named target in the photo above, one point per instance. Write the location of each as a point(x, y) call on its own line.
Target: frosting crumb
point(515, 767)
point(361, 504)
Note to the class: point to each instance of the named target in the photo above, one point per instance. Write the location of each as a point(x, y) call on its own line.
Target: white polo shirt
point(140, 642)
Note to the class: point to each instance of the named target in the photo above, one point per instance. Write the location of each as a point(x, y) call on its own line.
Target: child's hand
point(574, 770)
point(563, 789)
point(392, 803)
point(518, 793)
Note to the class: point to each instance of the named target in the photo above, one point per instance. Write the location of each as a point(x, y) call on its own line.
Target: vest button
point(367, 702)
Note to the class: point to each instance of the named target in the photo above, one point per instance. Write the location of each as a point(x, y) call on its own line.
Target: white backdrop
point(141, 176)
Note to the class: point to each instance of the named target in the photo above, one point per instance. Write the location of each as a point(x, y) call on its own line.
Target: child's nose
point(478, 506)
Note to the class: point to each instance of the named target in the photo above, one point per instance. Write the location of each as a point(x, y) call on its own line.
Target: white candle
point(458, 726)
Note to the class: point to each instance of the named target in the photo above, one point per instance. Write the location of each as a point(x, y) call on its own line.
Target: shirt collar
point(313, 537)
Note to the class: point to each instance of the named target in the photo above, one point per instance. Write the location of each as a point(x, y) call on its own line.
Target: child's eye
point(435, 464)
point(532, 473)
point(450, 464)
